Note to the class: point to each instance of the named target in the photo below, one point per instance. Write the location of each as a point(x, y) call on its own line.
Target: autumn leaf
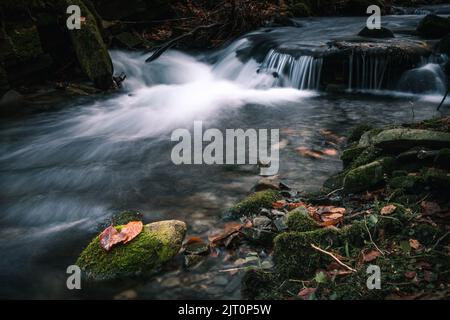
point(430, 208)
point(330, 209)
point(415, 244)
point(193, 240)
point(331, 219)
point(303, 151)
point(371, 255)
point(295, 205)
point(110, 237)
point(387, 210)
point(131, 230)
point(229, 229)
point(306, 293)
point(280, 204)
point(330, 152)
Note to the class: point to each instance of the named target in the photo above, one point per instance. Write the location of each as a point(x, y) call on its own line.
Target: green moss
point(367, 176)
point(366, 137)
point(295, 258)
point(368, 155)
point(299, 9)
point(91, 51)
point(356, 133)
point(256, 201)
point(299, 220)
point(351, 154)
point(260, 285)
point(155, 245)
point(334, 182)
point(25, 42)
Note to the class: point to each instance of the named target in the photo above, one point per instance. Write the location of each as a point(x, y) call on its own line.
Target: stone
point(299, 220)
point(255, 202)
point(266, 184)
point(91, 51)
point(434, 27)
point(158, 243)
point(376, 33)
point(368, 176)
point(403, 139)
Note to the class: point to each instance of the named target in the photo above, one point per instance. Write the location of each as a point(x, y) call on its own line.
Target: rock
point(158, 243)
point(262, 222)
point(299, 220)
point(4, 85)
point(11, 99)
point(91, 51)
point(351, 154)
point(255, 202)
point(403, 139)
point(366, 137)
point(334, 182)
point(376, 33)
point(356, 133)
point(434, 27)
point(368, 176)
point(266, 184)
point(127, 40)
point(444, 45)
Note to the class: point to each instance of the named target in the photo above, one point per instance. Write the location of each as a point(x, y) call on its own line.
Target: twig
point(334, 191)
point(334, 257)
point(169, 44)
point(370, 237)
point(439, 240)
point(443, 99)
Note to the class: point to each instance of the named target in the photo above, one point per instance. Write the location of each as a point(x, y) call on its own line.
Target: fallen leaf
point(110, 237)
point(193, 240)
point(303, 151)
point(410, 274)
point(430, 208)
point(131, 230)
point(330, 152)
point(387, 210)
point(415, 244)
point(306, 293)
point(331, 219)
point(295, 205)
point(280, 204)
point(330, 209)
point(371, 255)
point(229, 229)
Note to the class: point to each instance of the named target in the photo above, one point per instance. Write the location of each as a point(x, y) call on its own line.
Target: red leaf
point(371, 255)
point(306, 293)
point(131, 230)
point(109, 237)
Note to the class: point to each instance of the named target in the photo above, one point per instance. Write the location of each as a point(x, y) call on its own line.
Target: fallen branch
point(443, 99)
point(169, 44)
point(334, 257)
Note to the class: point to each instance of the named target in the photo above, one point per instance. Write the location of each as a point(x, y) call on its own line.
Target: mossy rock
point(295, 258)
point(349, 155)
point(255, 202)
point(299, 220)
point(376, 33)
point(334, 182)
point(356, 133)
point(397, 140)
point(299, 9)
point(366, 137)
point(368, 155)
point(25, 43)
point(90, 49)
point(158, 243)
point(260, 285)
point(434, 27)
point(368, 176)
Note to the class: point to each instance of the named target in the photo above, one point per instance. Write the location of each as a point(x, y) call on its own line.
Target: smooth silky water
point(65, 173)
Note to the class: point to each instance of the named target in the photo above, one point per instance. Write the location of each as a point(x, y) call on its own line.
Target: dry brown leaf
point(415, 244)
point(193, 240)
point(229, 229)
point(330, 209)
point(295, 205)
point(387, 210)
point(430, 208)
point(331, 219)
point(280, 204)
point(371, 255)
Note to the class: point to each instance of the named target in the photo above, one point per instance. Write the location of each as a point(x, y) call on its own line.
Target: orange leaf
point(387, 210)
point(131, 230)
point(280, 204)
point(331, 219)
point(330, 152)
point(303, 151)
point(229, 229)
point(415, 244)
point(110, 237)
point(295, 205)
point(193, 240)
point(330, 209)
point(371, 255)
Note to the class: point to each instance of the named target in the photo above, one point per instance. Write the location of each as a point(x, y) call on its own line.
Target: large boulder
point(158, 243)
point(434, 27)
point(395, 140)
point(90, 49)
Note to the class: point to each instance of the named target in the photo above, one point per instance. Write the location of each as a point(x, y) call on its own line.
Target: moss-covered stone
point(299, 220)
point(334, 182)
point(366, 137)
point(254, 202)
point(90, 49)
point(349, 155)
point(260, 285)
point(156, 244)
point(356, 133)
point(124, 217)
point(295, 258)
point(367, 176)
point(404, 139)
point(434, 27)
point(368, 155)
point(376, 33)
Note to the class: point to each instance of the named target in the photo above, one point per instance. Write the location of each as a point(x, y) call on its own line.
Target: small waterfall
point(303, 72)
point(367, 72)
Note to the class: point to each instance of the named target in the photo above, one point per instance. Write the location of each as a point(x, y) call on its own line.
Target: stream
point(63, 174)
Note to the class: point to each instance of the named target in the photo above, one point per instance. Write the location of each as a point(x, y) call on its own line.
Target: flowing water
point(63, 174)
